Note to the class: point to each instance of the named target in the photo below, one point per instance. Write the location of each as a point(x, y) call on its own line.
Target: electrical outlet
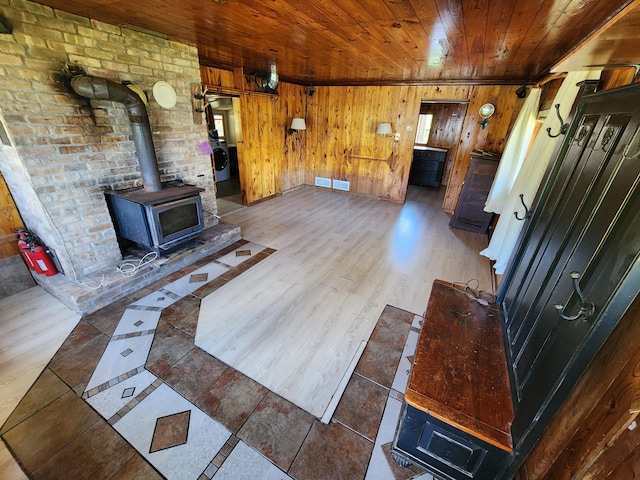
point(396, 137)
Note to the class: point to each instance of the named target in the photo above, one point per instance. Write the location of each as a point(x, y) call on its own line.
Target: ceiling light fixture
point(485, 112)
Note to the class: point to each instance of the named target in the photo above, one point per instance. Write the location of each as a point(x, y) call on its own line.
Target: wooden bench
point(458, 411)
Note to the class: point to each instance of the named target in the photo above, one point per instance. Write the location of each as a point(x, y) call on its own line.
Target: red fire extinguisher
point(35, 255)
point(23, 245)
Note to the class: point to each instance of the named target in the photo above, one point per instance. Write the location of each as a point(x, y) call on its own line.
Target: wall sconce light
point(384, 129)
point(297, 124)
point(486, 111)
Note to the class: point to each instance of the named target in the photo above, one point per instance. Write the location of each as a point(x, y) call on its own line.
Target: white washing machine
point(220, 159)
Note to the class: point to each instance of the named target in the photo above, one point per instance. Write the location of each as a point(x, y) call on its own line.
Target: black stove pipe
point(102, 89)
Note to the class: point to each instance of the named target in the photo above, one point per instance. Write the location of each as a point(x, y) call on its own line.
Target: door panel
point(593, 221)
point(570, 244)
point(615, 255)
point(531, 262)
point(589, 204)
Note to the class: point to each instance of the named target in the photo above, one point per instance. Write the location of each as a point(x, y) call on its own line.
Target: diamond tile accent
point(160, 299)
point(138, 323)
point(170, 431)
point(128, 392)
point(243, 253)
point(127, 352)
point(198, 277)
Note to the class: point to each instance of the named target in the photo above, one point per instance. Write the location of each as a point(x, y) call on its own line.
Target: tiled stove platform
point(103, 288)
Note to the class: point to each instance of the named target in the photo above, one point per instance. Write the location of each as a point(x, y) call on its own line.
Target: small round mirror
point(487, 110)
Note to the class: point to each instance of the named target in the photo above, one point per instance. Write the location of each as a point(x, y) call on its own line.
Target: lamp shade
point(384, 129)
point(298, 124)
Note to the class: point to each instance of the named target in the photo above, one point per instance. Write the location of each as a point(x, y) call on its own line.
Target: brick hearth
point(86, 296)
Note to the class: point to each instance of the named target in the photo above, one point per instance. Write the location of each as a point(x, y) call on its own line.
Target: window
point(218, 124)
point(424, 128)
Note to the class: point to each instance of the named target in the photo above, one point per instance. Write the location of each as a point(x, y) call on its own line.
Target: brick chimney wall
point(66, 150)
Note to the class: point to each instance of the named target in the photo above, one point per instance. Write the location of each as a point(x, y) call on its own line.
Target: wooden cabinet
point(574, 273)
point(427, 166)
point(469, 213)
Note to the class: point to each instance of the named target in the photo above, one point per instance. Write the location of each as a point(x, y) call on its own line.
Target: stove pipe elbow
point(96, 88)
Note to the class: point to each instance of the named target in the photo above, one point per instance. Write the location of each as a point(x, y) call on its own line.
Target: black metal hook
point(527, 212)
point(563, 126)
point(586, 308)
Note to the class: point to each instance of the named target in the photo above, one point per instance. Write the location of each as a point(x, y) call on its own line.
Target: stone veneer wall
point(67, 150)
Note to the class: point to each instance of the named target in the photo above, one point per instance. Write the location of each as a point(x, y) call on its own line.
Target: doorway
point(223, 117)
point(436, 143)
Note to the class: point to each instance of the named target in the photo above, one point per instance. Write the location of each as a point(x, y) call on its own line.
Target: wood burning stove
point(160, 221)
point(157, 216)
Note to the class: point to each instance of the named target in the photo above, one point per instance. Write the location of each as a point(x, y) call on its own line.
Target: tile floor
point(129, 395)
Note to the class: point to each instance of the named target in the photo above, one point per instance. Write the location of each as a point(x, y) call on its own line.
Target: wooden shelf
point(235, 91)
point(199, 93)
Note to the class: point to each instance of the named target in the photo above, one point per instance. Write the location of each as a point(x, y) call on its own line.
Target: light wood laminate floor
point(33, 325)
point(294, 322)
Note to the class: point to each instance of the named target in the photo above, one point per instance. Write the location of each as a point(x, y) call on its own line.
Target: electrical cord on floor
point(212, 214)
point(130, 269)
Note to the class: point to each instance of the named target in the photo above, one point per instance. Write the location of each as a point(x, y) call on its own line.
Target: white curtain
point(529, 176)
point(514, 153)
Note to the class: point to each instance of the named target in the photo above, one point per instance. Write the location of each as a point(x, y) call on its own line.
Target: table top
point(459, 373)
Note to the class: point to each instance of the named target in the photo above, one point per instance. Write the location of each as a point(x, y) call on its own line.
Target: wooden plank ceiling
point(350, 42)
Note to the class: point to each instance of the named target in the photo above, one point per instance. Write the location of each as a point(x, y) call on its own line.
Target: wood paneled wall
point(9, 221)
point(270, 160)
point(492, 138)
point(342, 144)
point(217, 76)
point(340, 140)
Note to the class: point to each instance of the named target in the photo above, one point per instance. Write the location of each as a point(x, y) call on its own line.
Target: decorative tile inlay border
point(175, 433)
point(220, 457)
point(133, 334)
point(134, 401)
point(114, 381)
point(146, 307)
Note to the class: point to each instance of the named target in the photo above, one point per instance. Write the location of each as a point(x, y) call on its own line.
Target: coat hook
point(563, 126)
point(586, 308)
point(527, 212)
